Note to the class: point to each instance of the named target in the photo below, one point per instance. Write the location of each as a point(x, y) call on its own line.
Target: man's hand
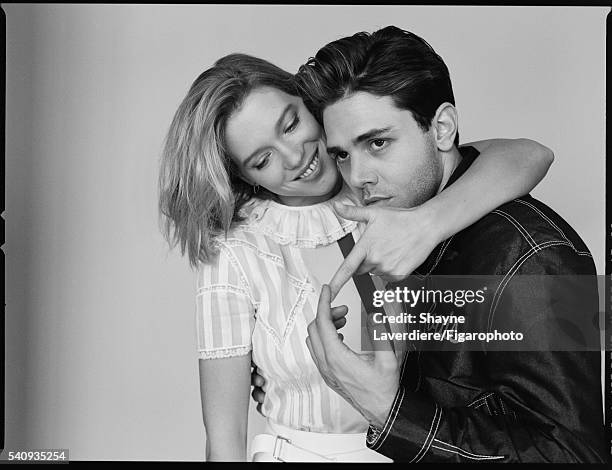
point(338, 315)
point(395, 242)
point(369, 382)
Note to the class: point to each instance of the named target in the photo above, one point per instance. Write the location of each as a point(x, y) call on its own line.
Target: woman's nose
point(293, 156)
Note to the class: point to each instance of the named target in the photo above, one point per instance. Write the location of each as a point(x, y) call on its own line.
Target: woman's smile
point(277, 144)
point(312, 170)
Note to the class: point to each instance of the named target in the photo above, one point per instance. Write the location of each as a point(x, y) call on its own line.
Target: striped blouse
point(260, 293)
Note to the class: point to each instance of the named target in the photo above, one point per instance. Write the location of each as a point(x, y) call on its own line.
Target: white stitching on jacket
point(438, 258)
point(518, 263)
point(465, 453)
point(389, 424)
point(518, 226)
point(424, 450)
point(476, 400)
point(547, 219)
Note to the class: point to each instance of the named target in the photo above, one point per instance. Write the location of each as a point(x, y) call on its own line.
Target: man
point(387, 105)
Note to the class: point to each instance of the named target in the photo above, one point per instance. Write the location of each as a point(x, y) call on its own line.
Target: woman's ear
point(445, 124)
point(236, 172)
point(246, 180)
point(242, 177)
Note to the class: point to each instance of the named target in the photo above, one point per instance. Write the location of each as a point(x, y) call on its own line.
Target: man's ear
point(445, 124)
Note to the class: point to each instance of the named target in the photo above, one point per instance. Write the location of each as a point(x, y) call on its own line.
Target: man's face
point(382, 153)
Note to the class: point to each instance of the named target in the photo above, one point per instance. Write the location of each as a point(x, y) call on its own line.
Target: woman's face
point(277, 144)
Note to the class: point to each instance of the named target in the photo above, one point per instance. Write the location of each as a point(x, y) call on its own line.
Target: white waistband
point(290, 445)
point(323, 443)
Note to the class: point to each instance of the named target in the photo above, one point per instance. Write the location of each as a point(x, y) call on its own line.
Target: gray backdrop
point(100, 349)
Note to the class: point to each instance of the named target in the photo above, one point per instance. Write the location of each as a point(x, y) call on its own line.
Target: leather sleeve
point(539, 405)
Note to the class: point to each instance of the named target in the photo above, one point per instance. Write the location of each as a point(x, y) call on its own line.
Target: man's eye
point(341, 156)
point(378, 144)
point(293, 125)
point(263, 162)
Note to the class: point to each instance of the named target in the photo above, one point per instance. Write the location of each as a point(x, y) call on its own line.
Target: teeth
point(312, 167)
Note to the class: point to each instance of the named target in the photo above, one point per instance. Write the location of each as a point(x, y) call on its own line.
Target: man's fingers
point(350, 264)
point(339, 316)
point(314, 344)
point(359, 214)
point(324, 325)
point(339, 311)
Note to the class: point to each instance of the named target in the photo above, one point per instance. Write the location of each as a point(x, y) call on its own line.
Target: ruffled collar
point(299, 226)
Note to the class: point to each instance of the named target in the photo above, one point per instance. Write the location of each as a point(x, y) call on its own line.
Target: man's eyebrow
point(277, 128)
point(332, 150)
point(361, 138)
point(370, 134)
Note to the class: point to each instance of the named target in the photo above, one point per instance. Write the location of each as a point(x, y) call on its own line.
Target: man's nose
point(361, 173)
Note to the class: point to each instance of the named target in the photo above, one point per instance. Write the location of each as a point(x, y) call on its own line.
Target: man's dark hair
point(389, 62)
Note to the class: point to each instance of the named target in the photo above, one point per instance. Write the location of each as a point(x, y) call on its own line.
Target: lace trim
point(221, 353)
point(306, 242)
point(299, 226)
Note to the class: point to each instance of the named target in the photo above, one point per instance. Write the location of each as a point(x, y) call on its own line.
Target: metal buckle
point(278, 446)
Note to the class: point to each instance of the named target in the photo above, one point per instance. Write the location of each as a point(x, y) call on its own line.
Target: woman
point(246, 189)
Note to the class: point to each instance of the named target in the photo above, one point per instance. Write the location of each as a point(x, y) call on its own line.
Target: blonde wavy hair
point(200, 187)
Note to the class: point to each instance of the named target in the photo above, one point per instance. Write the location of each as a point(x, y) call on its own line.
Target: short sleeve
point(225, 313)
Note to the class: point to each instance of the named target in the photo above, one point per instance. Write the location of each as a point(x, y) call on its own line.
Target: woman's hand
point(258, 383)
point(395, 242)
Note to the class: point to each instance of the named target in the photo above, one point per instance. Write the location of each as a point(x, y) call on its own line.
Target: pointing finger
point(346, 270)
point(323, 322)
point(313, 342)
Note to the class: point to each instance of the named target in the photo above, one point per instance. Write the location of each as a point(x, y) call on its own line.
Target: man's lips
point(373, 199)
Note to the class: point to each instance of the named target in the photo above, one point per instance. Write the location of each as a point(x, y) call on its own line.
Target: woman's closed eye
point(261, 164)
point(293, 124)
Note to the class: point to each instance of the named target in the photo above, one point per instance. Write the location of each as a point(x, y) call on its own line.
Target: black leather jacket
point(501, 406)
